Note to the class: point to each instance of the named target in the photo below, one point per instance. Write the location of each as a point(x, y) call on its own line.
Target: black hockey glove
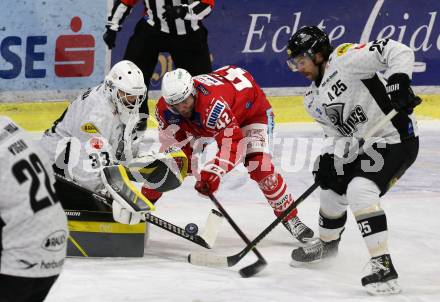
point(110, 38)
point(325, 172)
point(174, 12)
point(402, 97)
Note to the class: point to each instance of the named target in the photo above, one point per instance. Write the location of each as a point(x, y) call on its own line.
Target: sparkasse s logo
point(74, 54)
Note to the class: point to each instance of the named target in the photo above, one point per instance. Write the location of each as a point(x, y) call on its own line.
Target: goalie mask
point(177, 86)
point(127, 89)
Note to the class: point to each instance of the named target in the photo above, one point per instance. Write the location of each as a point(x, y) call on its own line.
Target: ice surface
point(163, 274)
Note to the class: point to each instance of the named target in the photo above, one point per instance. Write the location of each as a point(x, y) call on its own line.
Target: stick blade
point(253, 269)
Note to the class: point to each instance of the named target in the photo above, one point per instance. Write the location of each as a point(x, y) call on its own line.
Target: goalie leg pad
point(121, 189)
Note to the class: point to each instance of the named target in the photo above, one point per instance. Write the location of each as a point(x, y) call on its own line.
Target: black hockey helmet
point(309, 40)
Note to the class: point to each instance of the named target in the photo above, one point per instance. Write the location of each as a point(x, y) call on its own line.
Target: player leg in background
point(258, 161)
point(22, 289)
point(191, 52)
point(143, 50)
point(332, 218)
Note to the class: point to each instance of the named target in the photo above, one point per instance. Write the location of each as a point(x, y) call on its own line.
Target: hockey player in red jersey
point(229, 106)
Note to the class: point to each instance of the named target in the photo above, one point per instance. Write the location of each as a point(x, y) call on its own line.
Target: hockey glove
point(110, 38)
point(325, 172)
point(210, 178)
point(402, 97)
point(125, 215)
point(174, 12)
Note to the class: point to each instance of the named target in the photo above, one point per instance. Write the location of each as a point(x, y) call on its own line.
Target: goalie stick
point(225, 261)
point(246, 272)
point(206, 240)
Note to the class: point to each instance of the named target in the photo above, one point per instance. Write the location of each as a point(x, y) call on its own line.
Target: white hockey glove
point(125, 215)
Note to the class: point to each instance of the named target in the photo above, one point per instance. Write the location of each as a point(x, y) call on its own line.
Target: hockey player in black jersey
point(349, 95)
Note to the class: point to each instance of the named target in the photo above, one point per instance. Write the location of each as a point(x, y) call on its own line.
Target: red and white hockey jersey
point(227, 100)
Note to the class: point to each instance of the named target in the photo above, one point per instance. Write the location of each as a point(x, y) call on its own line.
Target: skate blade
point(297, 264)
point(383, 288)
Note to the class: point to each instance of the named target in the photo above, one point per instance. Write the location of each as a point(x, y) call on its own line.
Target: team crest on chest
point(335, 113)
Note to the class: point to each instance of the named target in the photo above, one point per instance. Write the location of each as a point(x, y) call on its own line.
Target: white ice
point(163, 274)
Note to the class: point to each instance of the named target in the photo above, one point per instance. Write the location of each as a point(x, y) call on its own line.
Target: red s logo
point(74, 54)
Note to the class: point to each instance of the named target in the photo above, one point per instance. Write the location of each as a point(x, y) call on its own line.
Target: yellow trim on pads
point(105, 227)
point(78, 246)
point(128, 182)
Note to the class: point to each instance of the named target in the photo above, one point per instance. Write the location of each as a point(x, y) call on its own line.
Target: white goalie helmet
point(177, 85)
point(125, 83)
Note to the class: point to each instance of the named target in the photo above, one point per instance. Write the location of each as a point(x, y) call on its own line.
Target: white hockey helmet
point(177, 85)
point(125, 83)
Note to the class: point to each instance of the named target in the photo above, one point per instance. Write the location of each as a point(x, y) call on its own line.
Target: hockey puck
point(191, 229)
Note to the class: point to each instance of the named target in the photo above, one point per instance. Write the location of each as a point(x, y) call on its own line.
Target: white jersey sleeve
point(33, 226)
point(364, 60)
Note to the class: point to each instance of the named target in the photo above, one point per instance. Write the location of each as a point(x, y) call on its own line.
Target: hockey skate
point(298, 229)
point(383, 280)
point(315, 251)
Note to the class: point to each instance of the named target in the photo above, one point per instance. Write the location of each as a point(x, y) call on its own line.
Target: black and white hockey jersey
point(351, 97)
point(93, 136)
point(33, 226)
point(197, 11)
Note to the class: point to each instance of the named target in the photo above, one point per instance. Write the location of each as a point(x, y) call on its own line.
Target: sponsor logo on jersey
point(329, 78)
point(202, 89)
point(96, 143)
point(335, 112)
point(343, 49)
point(7, 131)
point(51, 264)
point(55, 241)
point(89, 128)
point(213, 116)
point(27, 264)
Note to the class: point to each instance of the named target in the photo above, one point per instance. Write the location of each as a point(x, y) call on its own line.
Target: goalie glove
point(129, 204)
point(124, 215)
point(160, 171)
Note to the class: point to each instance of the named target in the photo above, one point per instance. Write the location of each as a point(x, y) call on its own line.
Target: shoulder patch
point(8, 130)
point(89, 128)
point(172, 118)
point(214, 114)
point(202, 89)
point(342, 49)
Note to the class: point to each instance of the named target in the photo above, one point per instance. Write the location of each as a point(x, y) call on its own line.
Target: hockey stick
point(222, 261)
point(207, 239)
point(245, 272)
